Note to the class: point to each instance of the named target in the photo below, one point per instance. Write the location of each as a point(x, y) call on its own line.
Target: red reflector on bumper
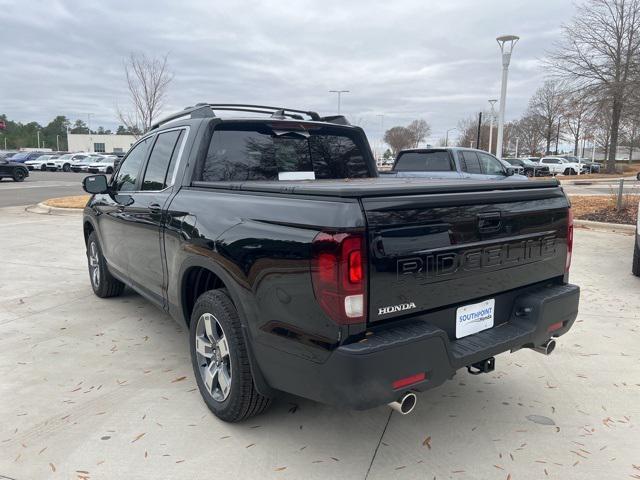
point(405, 382)
point(554, 326)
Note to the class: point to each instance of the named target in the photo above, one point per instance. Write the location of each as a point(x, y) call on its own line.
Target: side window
point(125, 179)
point(490, 165)
point(469, 162)
point(162, 161)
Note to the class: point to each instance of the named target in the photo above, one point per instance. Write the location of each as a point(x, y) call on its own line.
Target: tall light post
point(339, 92)
point(381, 115)
point(506, 42)
point(38, 134)
point(446, 137)
point(89, 115)
point(493, 114)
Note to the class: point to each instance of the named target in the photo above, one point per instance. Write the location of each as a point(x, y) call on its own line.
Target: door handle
point(155, 207)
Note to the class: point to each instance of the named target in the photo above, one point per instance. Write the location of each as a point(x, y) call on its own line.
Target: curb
point(605, 227)
point(43, 209)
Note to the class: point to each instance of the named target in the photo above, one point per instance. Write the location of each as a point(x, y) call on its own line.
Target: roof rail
point(200, 110)
point(207, 110)
point(280, 111)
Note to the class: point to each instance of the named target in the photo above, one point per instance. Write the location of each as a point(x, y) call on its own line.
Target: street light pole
point(57, 143)
point(506, 42)
point(446, 137)
point(558, 135)
point(381, 115)
point(492, 114)
point(339, 92)
point(38, 134)
point(89, 126)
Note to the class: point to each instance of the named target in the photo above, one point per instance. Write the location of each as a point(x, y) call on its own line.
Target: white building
point(81, 142)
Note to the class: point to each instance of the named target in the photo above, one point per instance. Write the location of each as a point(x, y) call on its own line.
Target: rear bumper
point(360, 375)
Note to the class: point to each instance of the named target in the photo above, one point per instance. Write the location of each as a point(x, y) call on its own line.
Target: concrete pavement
point(103, 389)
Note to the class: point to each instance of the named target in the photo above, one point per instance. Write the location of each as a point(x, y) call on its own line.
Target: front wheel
point(66, 167)
point(109, 170)
point(43, 167)
point(19, 175)
point(104, 284)
point(529, 173)
point(220, 359)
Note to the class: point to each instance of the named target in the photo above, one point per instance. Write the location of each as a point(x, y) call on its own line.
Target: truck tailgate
point(430, 251)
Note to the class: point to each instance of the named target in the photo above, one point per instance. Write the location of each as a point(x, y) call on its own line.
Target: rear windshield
point(438, 161)
point(259, 151)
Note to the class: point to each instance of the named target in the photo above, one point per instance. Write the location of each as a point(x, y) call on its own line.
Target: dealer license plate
point(474, 318)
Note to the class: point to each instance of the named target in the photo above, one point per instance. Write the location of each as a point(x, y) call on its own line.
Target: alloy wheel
point(212, 353)
point(94, 265)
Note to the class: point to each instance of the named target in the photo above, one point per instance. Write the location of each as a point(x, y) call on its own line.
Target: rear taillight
point(569, 240)
point(338, 273)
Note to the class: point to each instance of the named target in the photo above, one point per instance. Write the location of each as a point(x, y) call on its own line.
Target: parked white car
point(66, 161)
point(105, 165)
point(559, 165)
point(40, 163)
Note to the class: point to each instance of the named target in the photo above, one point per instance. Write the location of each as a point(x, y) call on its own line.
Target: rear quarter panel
point(261, 244)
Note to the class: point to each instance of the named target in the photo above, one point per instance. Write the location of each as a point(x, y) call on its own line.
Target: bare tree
point(600, 54)
point(399, 138)
point(147, 81)
point(419, 130)
point(528, 130)
point(575, 109)
point(546, 103)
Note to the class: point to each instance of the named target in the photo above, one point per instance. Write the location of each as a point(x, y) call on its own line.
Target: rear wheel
point(529, 173)
point(66, 167)
point(43, 167)
point(109, 170)
point(103, 283)
point(19, 175)
point(220, 359)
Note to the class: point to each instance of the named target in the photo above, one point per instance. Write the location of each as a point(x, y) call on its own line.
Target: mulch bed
point(602, 208)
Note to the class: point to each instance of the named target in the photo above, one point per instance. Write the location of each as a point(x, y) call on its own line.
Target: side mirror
point(95, 184)
point(510, 171)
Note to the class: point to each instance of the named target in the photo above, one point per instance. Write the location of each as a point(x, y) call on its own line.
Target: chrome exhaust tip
point(405, 404)
point(547, 347)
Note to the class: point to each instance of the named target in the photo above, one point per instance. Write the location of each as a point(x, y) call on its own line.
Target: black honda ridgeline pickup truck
point(296, 268)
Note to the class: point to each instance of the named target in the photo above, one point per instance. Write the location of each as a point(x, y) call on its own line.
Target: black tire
point(109, 170)
point(43, 167)
point(19, 175)
point(243, 400)
point(104, 284)
point(638, 176)
point(66, 167)
point(635, 266)
point(529, 173)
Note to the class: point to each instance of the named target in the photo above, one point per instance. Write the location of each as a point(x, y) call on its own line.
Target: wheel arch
point(199, 274)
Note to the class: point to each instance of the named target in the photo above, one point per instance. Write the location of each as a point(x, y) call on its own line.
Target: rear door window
point(437, 161)
point(159, 170)
point(247, 152)
point(469, 162)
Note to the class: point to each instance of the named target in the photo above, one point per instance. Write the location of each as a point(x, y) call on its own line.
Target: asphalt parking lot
point(103, 389)
point(39, 186)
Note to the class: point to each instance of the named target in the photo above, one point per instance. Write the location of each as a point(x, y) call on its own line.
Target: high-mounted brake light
point(338, 276)
point(569, 240)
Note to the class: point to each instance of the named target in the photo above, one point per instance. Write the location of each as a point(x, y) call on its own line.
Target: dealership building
point(110, 143)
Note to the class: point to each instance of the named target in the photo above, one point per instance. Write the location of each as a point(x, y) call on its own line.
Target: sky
point(434, 60)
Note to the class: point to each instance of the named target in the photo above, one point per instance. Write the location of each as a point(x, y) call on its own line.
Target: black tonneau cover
point(379, 187)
